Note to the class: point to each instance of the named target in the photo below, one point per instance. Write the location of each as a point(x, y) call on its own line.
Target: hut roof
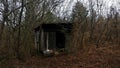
point(54, 27)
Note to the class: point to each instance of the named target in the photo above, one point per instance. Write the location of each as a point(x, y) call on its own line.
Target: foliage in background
point(19, 17)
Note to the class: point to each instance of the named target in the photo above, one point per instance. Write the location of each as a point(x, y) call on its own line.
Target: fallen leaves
point(103, 57)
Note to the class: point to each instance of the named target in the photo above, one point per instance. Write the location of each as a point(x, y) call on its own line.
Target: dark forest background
point(20, 17)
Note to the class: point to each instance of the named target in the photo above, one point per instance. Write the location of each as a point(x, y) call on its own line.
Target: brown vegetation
point(95, 40)
point(107, 56)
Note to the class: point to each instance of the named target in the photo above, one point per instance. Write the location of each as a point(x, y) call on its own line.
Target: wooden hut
point(53, 36)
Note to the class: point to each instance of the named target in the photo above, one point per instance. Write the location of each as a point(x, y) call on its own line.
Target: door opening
point(60, 40)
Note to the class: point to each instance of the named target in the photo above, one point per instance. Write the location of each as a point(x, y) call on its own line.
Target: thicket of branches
point(93, 26)
point(19, 17)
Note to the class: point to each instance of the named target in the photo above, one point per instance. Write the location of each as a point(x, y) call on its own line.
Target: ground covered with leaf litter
point(89, 57)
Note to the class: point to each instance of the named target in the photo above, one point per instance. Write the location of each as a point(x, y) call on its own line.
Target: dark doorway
point(60, 40)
